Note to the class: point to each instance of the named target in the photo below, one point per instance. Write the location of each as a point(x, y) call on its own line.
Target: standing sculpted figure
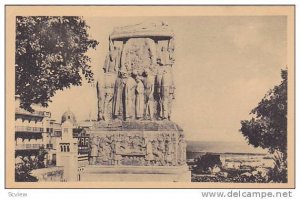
point(181, 150)
point(158, 85)
point(116, 145)
point(101, 99)
point(118, 94)
point(171, 47)
point(166, 84)
point(129, 96)
point(149, 90)
point(117, 98)
point(149, 152)
point(112, 61)
point(161, 150)
point(94, 150)
point(169, 151)
point(139, 100)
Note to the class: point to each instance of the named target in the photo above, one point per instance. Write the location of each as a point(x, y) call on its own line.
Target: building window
point(68, 148)
point(61, 148)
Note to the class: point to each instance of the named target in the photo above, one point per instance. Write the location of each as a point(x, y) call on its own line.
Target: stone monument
point(135, 138)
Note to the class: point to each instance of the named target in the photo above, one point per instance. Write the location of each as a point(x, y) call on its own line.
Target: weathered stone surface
point(98, 173)
point(138, 144)
point(135, 136)
point(149, 29)
point(119, 125)
point(138, 79)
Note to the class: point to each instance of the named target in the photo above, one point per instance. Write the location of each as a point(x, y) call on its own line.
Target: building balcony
point(29, 129)
point(35, 113)
point(36, 116)
point(29, 146)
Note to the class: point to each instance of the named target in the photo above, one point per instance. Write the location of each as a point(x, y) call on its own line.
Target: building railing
point(35, 113)
point(29, 146)
point(29, 129)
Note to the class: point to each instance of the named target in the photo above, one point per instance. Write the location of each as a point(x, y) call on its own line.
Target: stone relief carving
point(142, 64)
point(138, 149)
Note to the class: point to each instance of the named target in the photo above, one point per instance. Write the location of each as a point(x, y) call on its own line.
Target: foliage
point(279, 172)
point(268, 126)
point(237, 179)
point(231, 175)
point(22, 170)
point(206, 162)
point(50, 56)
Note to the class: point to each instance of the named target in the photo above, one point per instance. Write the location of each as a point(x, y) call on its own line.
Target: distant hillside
point(222, 147)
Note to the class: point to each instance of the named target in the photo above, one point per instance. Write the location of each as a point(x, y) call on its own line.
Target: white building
point(67, 148)
point(30, 131)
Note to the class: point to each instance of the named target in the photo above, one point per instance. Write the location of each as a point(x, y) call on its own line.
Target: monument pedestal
point(137, 151)
point(93, 173)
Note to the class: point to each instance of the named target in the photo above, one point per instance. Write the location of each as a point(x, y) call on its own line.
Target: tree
point(268, 126)
point(207, 162)
point(23, 170)
point(50, 56)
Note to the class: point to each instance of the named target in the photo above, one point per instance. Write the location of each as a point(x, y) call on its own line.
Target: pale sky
point(223, 68)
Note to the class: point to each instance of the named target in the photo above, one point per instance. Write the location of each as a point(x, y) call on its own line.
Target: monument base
point(96, 173)
point(137, 151)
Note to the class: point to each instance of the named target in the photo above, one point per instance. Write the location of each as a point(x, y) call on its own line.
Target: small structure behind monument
point(134, 138)
point(67, 150)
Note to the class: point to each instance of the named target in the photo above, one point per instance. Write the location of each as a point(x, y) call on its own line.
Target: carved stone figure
point(171, 47)
point(116, 147)
point(166, 97)
point(138, 54)
point(169, 151)
point(139, 100)
point(108, 98)
point(118, 95)
point(105, 96)
point(164, 55)
point(136, 143)
point(158, 85)
point(112, 61)
point(104, 154)
point(129, 96)
point(149, 91)
point(106, 63)
point(101, 99)
point(157, 154)
point(181, 150)
point(149, 153)
point(161, 151)
point(94, 150)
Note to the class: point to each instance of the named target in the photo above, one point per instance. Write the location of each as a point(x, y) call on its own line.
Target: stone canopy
point(146, 29)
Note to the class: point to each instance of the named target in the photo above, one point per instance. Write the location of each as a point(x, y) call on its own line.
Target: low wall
point(50, 174)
